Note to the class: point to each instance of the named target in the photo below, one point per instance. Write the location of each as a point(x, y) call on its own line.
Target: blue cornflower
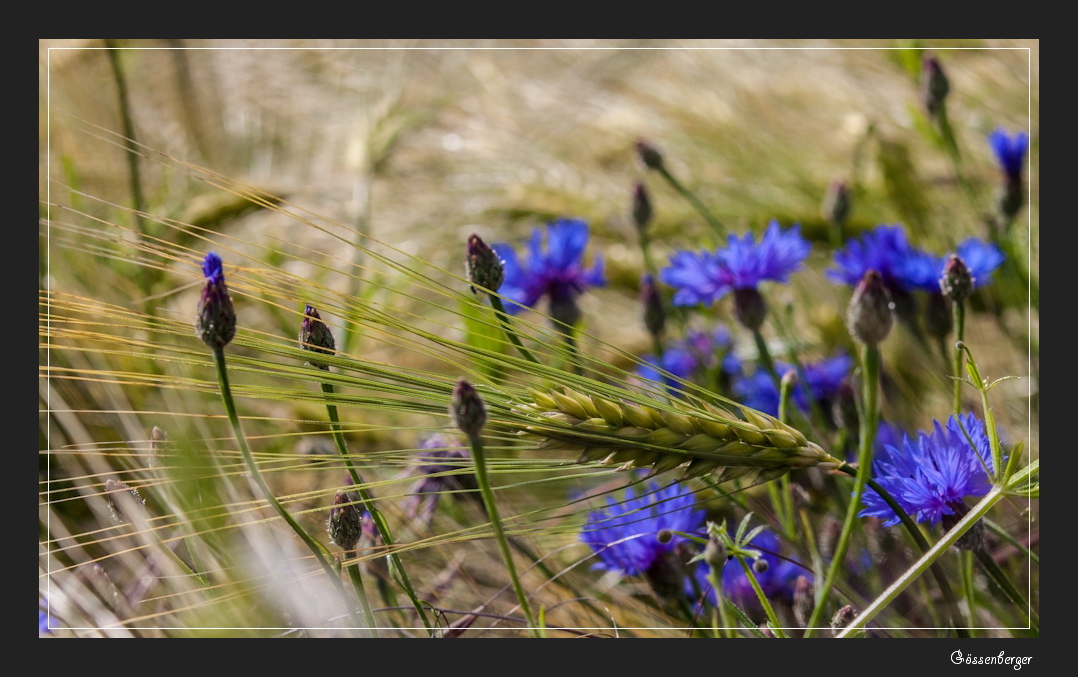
point(702, 278)
point(886, 250)
point(216, 321)
point(931, 476)
point(1010, 152)
point(557, 273)
point(758, 390)
point(624, 534)
point(45, 622)
point(687, 358)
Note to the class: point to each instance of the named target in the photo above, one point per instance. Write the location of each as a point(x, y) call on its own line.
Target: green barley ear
point(699, 440)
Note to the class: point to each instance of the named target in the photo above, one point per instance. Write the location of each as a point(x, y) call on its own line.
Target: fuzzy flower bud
point(836, 204)
point(483, 265)
point(216, 323)
point(936, 85)
point(316, 337)
point(654, 312)
point(750, 309)
point(651, 157)
point(715, 553)
point(467, 409)
point(842, 618)
point(871, 312)
point(344, 524)
point(957, 280)
point(642, 211)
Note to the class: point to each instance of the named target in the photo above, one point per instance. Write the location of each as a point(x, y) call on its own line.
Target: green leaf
point(481, 331)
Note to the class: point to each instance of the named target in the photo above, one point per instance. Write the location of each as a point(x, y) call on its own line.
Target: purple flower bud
point(467, 409)
point(836, 204)
point(316, 337)
point(871, 312)
point(750, 309)
point(641, 207)
point(344, 524)
point(957, 281)
point(936, 85)
point(654, 313)
point(216, 323)
point(484, 267)
point(651, 157)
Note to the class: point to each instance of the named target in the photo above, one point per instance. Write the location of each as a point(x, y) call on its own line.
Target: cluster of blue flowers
point(624, 535)
point(905, 268)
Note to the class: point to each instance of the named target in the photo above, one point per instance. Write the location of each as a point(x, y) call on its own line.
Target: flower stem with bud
point(469, 413)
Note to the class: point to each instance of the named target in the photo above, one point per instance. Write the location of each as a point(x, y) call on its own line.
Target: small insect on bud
point(115, 490)
point(654, 312)
point(935, 84)
point(316, 337)
point(216, 322)
point(651, 157)
point(750, 309)
point(871, 312)
point(344, 524)
point(467, 409)
point(641, 207)
point(957, 280)
point(483, 266)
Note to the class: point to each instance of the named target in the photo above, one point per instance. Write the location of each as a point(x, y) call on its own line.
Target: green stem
point(397, 569)
point(715, 224)
point(776, 627)
point(503, 317)
point(129, 133)
point(764, 355)
point(357, 583)
point(715, 576)
point(1001, 579)
point(924, 563)
point(256, 475)
point(959, 310)
point(479, 457)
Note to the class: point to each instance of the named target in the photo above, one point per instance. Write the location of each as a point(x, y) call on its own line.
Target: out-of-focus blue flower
point(777, 582)
point(886, 250)
point(45, 622)
point(923, 270)
point(557, 273)
point(624, 534)
point(758, 390)
point(702, 278)
point(687, 358)
point(1010, 152)
point(929, 477)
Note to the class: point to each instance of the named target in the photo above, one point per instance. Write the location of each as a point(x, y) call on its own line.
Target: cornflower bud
point(641, 207)
point(484, 267)
point(344, 524)
point(871, 312)
point(654, 312)
point(936, 85)
point(316, 337)
point(651, 157)
point(750, 309)
point(467, 409)
point(836, 204)
point(216, 323)
point(957, 281)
